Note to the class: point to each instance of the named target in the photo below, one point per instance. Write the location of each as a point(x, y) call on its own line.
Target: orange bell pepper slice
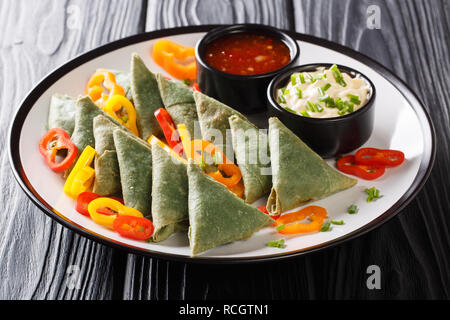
point(199, 147)
point(176, 59)
point(115, 206)
point(99, 81)
point(115, 104)
point(232, 172)
point(238, 189)
point(233, 181)
point(225, 166)
point(316, 214)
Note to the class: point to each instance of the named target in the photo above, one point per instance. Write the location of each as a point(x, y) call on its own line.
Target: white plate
point(400, 123)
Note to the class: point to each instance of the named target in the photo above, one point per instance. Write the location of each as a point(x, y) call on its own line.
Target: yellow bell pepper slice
point(82, 175)
point(185, 139)
point(115, 104)
point(167, 55)
point(116, 206)
point(154, 140)
point(82, 180)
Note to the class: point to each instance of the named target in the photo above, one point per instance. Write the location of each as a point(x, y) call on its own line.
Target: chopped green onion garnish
point(336, 222)
point(339, 103)
point(290, 110)
point(302, 77)
point(280, 227)
point(125, 118)
point(187, 82)
point(325, 87)
point(218, 159)
point(352, 209)
point(337, 75)
point(299, 93)
point(282, 99)
point(320, 76)
point(328, 101)
point(321, 92)
point(311, 106)
point(349, 106)
point(285, 90)
point(325, 227)
point(354, 99)
point(276, 243)
point(310, 77)
point(372, 194)
point(304, 113)
point(342, 112)
point(202, 164)
point(319, 108)
point(293, 79)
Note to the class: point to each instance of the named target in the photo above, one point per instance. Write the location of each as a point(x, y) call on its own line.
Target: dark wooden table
point(412, 250)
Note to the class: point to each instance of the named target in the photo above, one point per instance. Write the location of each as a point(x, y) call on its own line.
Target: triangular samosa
point(135, 163)
point(251, 150)
point(61, 113)
point(213, 117)
point(146, 98)
point(169, 193)
point(178, 101)
point(107, 175)
point(83, 133)
point(299, 175)
point(216, 215)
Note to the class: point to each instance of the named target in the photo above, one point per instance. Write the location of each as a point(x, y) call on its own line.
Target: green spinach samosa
point(213, 117)
point(179, 102)
point(299, 175)
point(135, 166)
point(169, 193)
point(146, 98)
point(251, 150)
point(216, 215)
point(107, 175)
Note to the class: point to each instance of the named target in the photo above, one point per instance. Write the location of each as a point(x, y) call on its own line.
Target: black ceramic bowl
point(328, 137)
point(245, 93)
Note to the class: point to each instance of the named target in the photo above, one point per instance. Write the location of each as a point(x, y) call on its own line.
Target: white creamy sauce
point(310, 92)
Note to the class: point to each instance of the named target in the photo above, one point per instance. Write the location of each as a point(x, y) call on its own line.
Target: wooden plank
point(35, 251)
point(176, 13)
point(412, 249)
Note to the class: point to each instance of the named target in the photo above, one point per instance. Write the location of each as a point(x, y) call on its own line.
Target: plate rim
point(34, 94)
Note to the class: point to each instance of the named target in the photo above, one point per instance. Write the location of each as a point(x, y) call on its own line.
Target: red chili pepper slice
point(195, 87)
point(264, 209)
point(348, 165)
point(169, 129)
point(85, 198)
point(54, 141)
point(133, 227)
point(373, 156)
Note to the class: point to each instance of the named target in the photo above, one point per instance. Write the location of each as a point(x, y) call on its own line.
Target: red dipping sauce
point(247, 54)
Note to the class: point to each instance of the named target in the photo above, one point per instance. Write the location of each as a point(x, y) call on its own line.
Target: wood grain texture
point(176, 13)
point(35, 252)
point(411, 249)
